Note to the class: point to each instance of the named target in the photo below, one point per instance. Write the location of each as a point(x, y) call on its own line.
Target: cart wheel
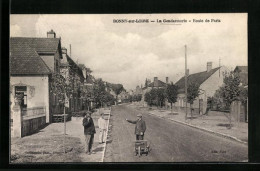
point(139, 151)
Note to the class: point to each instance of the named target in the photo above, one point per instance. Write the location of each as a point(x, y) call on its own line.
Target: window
point(22, 91)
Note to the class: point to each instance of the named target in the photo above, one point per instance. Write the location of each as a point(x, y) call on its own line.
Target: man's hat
point(139, 115)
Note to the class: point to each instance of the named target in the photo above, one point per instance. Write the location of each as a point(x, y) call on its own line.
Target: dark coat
point(89, 127)
point(139, 126)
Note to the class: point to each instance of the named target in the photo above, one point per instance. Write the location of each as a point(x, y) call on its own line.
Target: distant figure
point(89, 131)
point(103, 128)
point(140, 127)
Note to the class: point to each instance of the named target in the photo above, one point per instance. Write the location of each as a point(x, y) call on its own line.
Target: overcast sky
point(128, 53)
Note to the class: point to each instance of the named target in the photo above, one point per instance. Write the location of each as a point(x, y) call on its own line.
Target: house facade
point(75, 79)
point(209, 81)
point(32, 63)
point(150, 85)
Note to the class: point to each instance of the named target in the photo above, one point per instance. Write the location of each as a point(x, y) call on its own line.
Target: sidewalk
point(47, 144)
point(214, 123)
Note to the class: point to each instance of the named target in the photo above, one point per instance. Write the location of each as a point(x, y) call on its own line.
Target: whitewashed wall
point(37, 98)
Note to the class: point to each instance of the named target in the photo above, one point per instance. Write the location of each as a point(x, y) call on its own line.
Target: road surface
point(170, 141)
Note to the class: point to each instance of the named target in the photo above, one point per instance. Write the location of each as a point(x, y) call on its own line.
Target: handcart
point(142, 147)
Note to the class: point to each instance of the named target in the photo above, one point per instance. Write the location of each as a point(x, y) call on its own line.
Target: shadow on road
point(98, 149)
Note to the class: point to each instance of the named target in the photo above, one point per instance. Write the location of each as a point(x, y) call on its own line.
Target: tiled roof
point(197, 78)
point(160, 84)
point(39, 44)
point(75, 67)
point(24, 58)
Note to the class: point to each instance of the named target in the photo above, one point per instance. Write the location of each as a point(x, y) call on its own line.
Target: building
point(33, 61)
point(209, 81)
point(123, 96)
point(75, 79)
point(155, 84)
point(243, 74)
point(88, 85)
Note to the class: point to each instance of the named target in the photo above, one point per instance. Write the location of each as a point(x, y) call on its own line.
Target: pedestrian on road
point(140, 127)
point(89, 131)
point(103, 128)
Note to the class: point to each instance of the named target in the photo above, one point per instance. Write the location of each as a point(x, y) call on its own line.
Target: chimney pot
point(51, 34)
point(209, 66)
point(167, 80)
point(64, 50)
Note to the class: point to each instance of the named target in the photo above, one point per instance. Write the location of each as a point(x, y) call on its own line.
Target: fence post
point(17, 120)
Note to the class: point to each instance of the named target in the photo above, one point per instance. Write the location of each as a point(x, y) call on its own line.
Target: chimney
point(167, 80)
point(64, 50)
point(51, 34)
point(155, 82)
point(188, 72)
point(64, 53)
point(209, 66)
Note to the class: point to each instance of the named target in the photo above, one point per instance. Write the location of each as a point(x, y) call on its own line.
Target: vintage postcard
point(128, 88)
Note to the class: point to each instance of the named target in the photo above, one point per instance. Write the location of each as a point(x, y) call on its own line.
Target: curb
point(206, 130)
point(103, 155)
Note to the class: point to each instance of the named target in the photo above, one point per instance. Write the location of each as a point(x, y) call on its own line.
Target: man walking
point(140, 127)
point(89, 131)
point(103, 129)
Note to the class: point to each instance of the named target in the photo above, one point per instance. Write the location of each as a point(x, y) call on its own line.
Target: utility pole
point(70, 50)
point(219, 66)
point(186, 83)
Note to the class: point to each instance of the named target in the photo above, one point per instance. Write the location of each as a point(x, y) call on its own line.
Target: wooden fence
point(33, 119)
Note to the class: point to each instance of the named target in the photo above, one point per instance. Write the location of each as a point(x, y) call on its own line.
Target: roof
point(198, 78)
point(40, 44)
point(243, 69)
point(74, 66)
point(160, 84)
point(24, 59)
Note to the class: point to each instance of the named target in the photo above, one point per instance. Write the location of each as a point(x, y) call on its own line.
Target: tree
point(99, 91)
point(231, 91)
point(161, 95)
point(117, 88)
point(148, 98)
point(87, 95)
point(108, 98)
point(155, 97)
point(139, 97)
point(171, 94)
point(192, 94)
point(59, 86)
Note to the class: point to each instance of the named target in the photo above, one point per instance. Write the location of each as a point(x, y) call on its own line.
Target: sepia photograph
point(111, 88)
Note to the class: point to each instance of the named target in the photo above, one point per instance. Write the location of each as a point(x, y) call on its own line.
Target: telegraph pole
point(186, 83)
point(219, 66)
point(70, 50)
